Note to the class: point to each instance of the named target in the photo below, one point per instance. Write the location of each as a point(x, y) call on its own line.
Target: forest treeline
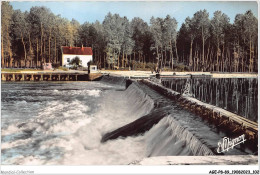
point(201, 44)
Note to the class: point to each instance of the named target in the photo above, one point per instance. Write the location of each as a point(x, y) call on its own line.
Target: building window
point(68, 60)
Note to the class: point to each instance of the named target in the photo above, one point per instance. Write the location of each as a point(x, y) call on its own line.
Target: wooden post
point(25, 77)
point(3, 78)
point(17, 77)
point(22, 79)
point(13, 77)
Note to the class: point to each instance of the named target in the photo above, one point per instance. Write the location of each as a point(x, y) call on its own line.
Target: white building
point(69, 53)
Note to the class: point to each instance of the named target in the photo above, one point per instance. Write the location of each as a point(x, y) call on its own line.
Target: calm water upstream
point(63, 123)
point(237, 95)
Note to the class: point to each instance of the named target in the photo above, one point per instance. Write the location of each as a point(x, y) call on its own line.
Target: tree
point(250, 31)
point(114, 32)
point(100, 44)
point(139, 29)
point(41, 20)
point(128, 42)
point(203, 24)
point(6, 15)
point(19, 30)
point(34, 37)
point(156, 31)
point(76, 62)
point(246, 27)
point(219, 25)
point(170, 36)
point(75, 31)
point(189, 29)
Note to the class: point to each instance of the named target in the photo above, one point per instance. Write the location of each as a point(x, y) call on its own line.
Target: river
point(62, 123)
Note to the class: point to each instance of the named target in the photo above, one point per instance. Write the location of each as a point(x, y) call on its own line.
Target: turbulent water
point(63, 124)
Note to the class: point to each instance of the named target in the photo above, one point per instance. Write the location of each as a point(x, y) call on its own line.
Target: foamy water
point(63, 124)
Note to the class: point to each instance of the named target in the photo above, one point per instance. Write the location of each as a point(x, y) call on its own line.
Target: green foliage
point(63, 68)
point(75, 62)
point(202, 43)
point(151, 66)
point(91, 63)
point(137, 65)
point(55, 65)
point(180, 68)
point(17, 70)
point(6, 16)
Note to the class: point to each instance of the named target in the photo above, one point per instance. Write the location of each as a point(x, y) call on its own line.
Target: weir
point(50, 76)
point(222, 118)
point(172, 131)
point(174, 139)
point(164, 135)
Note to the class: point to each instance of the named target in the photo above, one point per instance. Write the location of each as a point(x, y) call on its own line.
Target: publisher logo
point(228, 143)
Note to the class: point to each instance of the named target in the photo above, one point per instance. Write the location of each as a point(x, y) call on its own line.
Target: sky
point(91, 11)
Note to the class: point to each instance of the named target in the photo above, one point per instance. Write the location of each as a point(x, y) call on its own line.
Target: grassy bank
point(32, 70)
point(18, 70)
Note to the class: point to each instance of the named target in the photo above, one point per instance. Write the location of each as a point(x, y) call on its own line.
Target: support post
point(13, 77)
point(41, 78)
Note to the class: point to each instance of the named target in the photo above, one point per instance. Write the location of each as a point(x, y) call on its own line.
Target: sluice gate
point(49, 76)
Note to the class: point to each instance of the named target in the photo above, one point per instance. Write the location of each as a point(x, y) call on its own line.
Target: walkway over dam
point(49, 76)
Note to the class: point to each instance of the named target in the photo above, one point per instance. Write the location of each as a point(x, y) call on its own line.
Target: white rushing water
point(67, 125)
point(63, 124)
point(168, 137)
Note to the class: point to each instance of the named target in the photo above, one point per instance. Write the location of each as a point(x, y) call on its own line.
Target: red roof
point(76, 50)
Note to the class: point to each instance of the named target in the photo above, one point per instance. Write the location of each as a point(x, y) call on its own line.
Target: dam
point(117, 121)
point(49, 76)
